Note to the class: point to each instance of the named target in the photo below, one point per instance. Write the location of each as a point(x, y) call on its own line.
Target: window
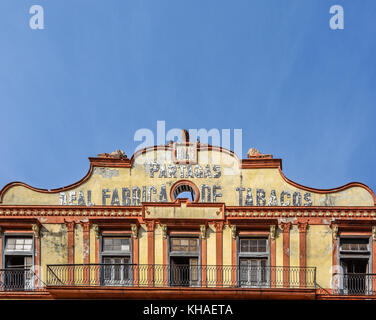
point(354, 245)
point(184, 189)
point(253, 260)
point(118, 271)
point(184, 245)
point(117, 261)
point(19, 244)
point(253, 245)
point(354, 256)
point(18, 261)
point(116, 244)
point(184, 261)
point(253, 272)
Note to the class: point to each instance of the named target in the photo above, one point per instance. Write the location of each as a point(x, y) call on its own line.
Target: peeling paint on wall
point(106, 172)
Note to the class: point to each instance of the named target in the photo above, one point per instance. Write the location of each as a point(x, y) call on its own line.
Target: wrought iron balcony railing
point(180, 276)
point(18, 279)
point(355, 284)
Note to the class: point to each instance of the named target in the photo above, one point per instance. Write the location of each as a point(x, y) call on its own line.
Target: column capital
point(85, 226)
point(374, 233)
point(335, 231)
point(36, 230)
point(285, 226)
point(203, 231)
point(96, 230)
point(164, 231)
point(272, 232)
point(218, 226)
point(134, 229)
point(302, 226)
point(70, 225)
point(233, 231)
point(150, 224)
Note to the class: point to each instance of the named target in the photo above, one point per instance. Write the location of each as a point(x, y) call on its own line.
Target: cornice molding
point(360, 213)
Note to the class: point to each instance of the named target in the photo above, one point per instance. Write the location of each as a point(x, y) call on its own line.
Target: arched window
point(184, 189)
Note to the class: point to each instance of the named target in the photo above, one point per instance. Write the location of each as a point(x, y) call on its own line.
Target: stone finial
point(254, 153)
point(117, 154)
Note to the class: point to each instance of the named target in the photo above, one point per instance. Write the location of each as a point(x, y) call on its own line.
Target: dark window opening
point(184, 191)
point(184, 261)
point(355, 258)
point(184, 271)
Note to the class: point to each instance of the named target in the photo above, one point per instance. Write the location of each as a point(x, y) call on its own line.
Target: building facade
point(187, 221)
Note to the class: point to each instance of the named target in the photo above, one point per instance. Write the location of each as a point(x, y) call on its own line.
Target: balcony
point(180, 276)
point(12, 280)
point(355, 284)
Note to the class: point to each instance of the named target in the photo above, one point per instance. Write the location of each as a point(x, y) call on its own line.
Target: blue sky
point(100, 70)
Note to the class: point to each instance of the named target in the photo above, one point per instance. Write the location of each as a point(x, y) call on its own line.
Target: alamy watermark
point(37, 19)
point(203, 139)
point(336, 21)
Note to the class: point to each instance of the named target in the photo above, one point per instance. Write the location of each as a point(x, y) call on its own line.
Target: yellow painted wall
point(78, 244)
point(279, 257)
point(319, 252)
point(227, 259)
point(143, 255)
point(54, 246)
point(211, 254)
point(158, 256)
point(92, 245)
point(294, 256)
point(294, 246)
point(279, 247)
point(143, 245)
point(227, 246)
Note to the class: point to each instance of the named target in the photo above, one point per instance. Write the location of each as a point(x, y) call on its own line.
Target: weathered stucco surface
point(294, 246)
point(211, 252)
point(319, 252)
point(54, 246)
point(231, 178)
point(78, 244)
point(227, 246)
